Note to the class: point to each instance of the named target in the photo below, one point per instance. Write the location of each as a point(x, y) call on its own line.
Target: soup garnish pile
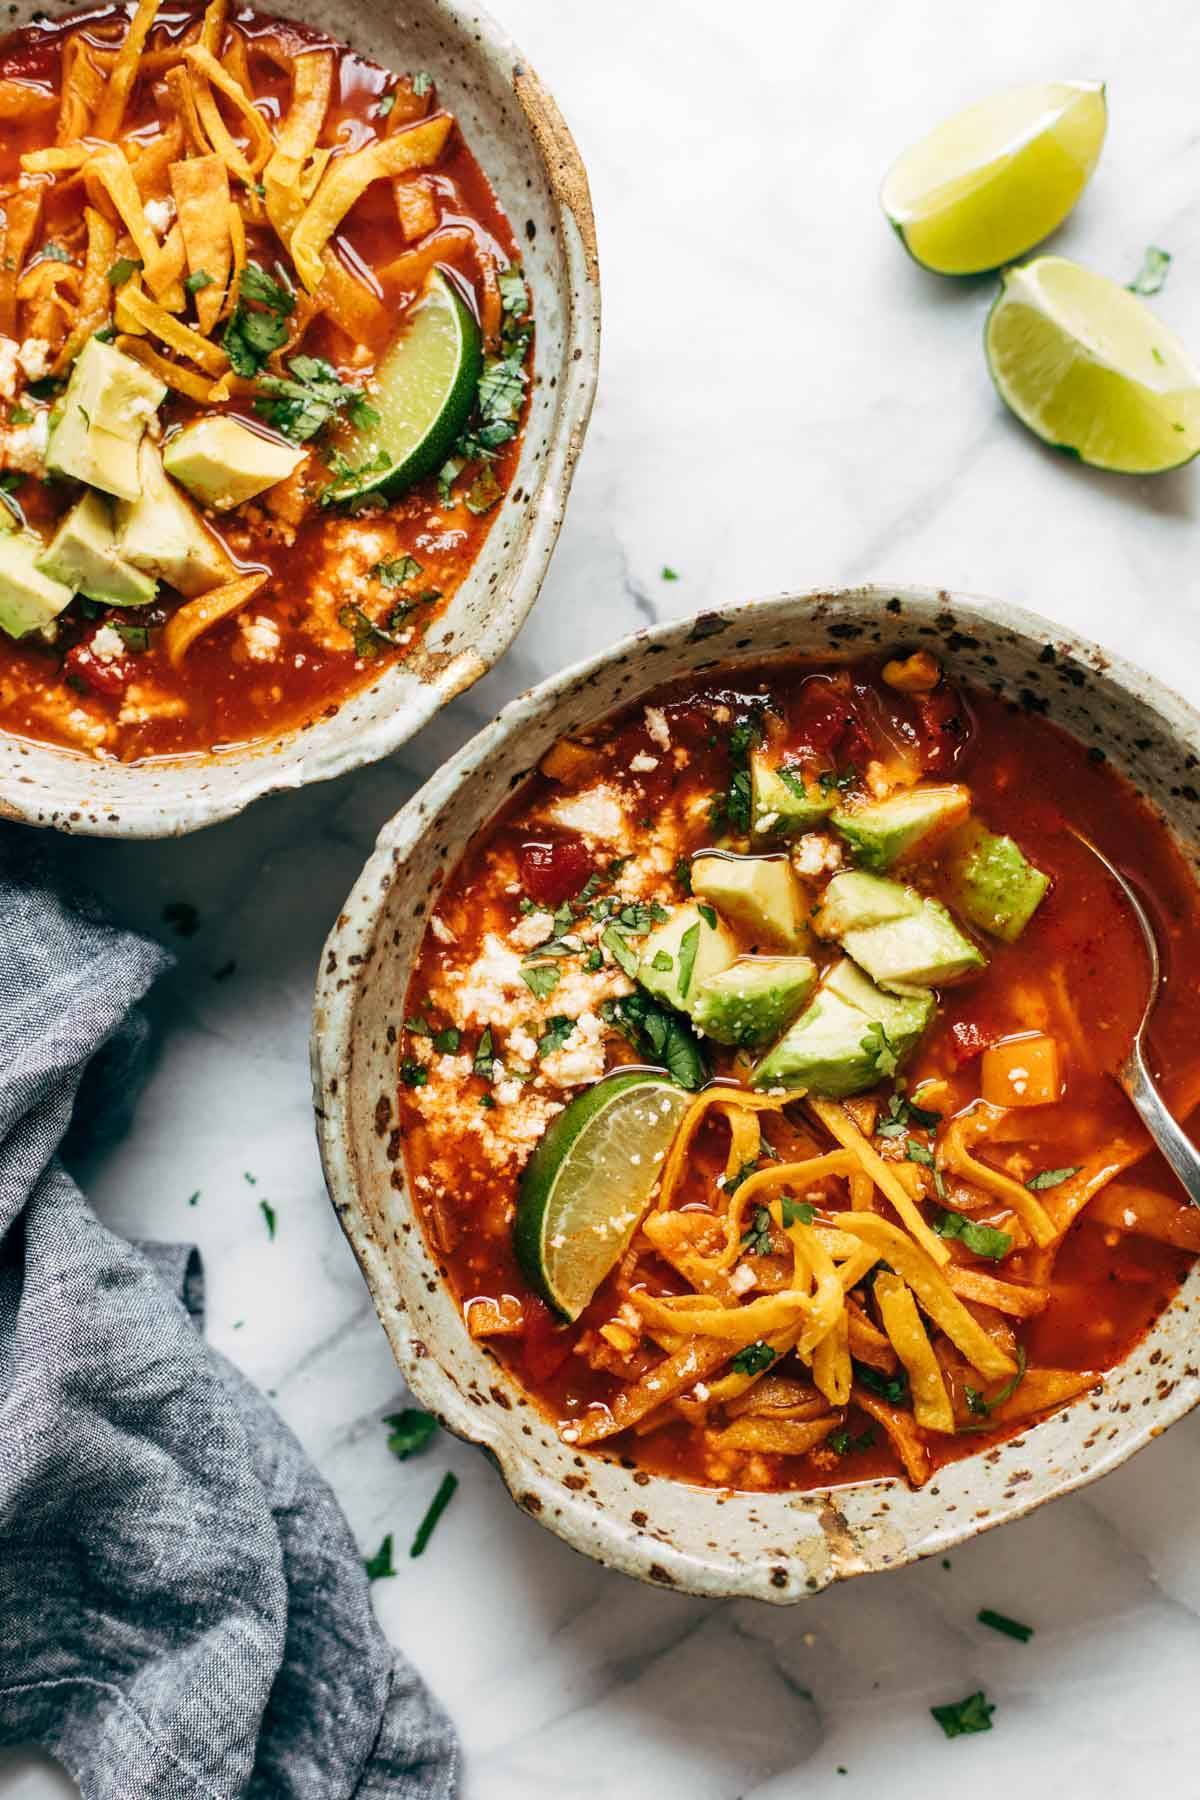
point(756, 1088)
point(264, 357)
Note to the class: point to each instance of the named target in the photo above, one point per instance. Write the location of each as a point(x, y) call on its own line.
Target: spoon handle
point(1163, 1127)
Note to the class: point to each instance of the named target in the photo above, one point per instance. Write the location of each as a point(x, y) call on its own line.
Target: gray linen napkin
point(183, 1611)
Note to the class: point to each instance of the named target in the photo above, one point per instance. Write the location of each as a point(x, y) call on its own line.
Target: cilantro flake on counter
point(268, 1213)
point(379, 1566)
point(409, 1431)
point(961, 1717)
point(437, 1507)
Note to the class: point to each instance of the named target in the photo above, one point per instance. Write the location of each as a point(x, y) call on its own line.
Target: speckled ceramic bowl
point(774, 1546)
point(525, 148)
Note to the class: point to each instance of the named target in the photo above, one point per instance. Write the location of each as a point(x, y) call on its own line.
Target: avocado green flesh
point(758, 894)
point(29, 599)
point(776, 809)
point(98, 424)
point(882, 831)
point(425, 390)
point(753, 1000)
point(584, 1189)
point(84, 555)
point(684, 962)
point(995, 885)
point(901, 938)
point(831, 1049)
point(162, 534)
point(224, 463)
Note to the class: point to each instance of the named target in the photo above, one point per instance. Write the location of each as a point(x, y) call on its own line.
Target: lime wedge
point(994, 180)
point(425, 389)
point(1089, 368)
point(586, 1185)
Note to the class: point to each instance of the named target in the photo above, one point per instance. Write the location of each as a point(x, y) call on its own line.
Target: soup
point(756, 1083)
point(264, 355)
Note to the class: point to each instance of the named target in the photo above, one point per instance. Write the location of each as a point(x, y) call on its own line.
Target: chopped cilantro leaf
point(485, 1055)
point(414, 1074)
point(124, 269)
point(980, 1240)
point(689, 943)
point(409, 1431)
point(303, 403)
point(796, 1212)
point(668, 574)
point(659, 1035)
point(446, 1042)
point(422, 81)
point(892, 1388)
point(541, 978)
point(616, 942)
point(756, 1240)
point(709, 916)
point(880, 1049)
point(1051, 1178)
point(268, 1213)
point(397, 572)
point(963, 1716)
point(196, 281)
point(483, 493)
point(381, 1564)
point(558, 1030)
point(1152, 276)
point(257, 325)
point(683, 874)
point(998, 1621)
point(753, 1359)
point(662, 962)
point(842, 1444)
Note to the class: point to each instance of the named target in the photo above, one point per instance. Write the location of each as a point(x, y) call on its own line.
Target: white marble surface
point(785, 401)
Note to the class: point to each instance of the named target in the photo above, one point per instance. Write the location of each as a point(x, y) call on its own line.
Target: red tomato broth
point(220, 696)
point(1027, 778)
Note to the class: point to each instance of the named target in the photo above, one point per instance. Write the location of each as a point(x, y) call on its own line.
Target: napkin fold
point(183, 1610)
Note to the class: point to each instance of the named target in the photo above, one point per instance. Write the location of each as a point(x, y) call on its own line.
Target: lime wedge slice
point(425, 388)
point(994, 180)
point(1089, 368)
point(586, 1185)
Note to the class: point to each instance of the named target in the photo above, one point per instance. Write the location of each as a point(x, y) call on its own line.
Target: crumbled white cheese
point(581, 1058)
point(107, 644)
point(766, 821)
point(743, 1279)
point(593, 812)
point(260, 636)
point(641, 764)
point(487, 983)
point(24, 446)
point(814, 853)
point(159, 213)
point(84, 727)
point(441, 930)
point(34, 357)
point(534, 929)
point(9, 351)
point(523, 1045)
point(657, 727)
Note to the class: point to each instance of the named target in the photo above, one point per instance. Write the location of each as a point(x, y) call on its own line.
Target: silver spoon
point(1134, 1075)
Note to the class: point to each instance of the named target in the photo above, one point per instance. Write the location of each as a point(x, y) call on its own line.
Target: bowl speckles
point(773, 1546)
point(525, 148)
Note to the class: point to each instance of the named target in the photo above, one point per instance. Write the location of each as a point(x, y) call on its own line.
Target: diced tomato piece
point(547, 1341)
point(552, 872)
point(825, 710)
point(971, 1039)
point(944, 728)
point(109, 677)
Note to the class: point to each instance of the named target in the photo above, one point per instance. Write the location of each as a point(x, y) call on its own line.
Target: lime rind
point(586, 1186)
point(1092, 371)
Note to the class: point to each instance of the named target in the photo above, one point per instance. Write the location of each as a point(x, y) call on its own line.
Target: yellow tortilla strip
point(183, 99)
point(416, 208)
point(154, 158)
point(909, 1339)
point(82, 87)
point(56, 160)
point(934, 1292)
point(201, 189)
point(296, 140)
point(831, 1363)
point(23, 100)
point(901, 1428)
point(23, 215)
point(1147, 1213)
point(1005, 1296)
point(207, 73)
point(179, 376)
point(136, 312)
point(349, 176)
point(954, 1154)
point(196, 616)
point(97, 293)
point(213, 28)
point(123, 74)
point(107, 172)
point(840, 1125)
point(776, 1437)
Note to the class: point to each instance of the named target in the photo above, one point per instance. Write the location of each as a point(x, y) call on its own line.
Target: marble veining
point(785, 401)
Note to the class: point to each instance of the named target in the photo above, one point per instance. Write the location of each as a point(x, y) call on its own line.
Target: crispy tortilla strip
point(933, 1291)
point(954, 1153)
point(123, 73)
point(347, 303)
point(348, 177)
point(1149, 1214)
point(213, 28)
point(831, 1362)
point(779, 1397)
point(182, 378)
point(96, 292)
point(495, 1318)
point(1043, 1390)
point(106, 173)
point(775, 1437)
point(155, 158)
point(136, 312)
point(867, 1343)
point(757, 1189)
point(1006, 1296)
point(407, 106)
point(840, 1125)
point(416, 208)
point(57, 160)
point(902, 1430)
point(82, 87)
point(451, 244)
point(235, 60)
point(183, 99)
point(703, 1315)
point(296, 140)
point(207, 73)
point(201, 189)
point(729, 1098)
point(1065, 1203)
point(902, 1322)
point(677, 1372)
point(196, 616)
point(21, 100)
point(22, 215)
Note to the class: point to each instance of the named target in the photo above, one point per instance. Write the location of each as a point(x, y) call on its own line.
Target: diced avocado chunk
point(759, 895)
point(901, 938)
point(679, 956)
point(782, 802)
point(162, 533)
point(29, 599)
point(98, 424)
point(83, 553)
point(881, 832)
point(222, 462)
point(752, 1000)
point(995, 884)
point(851, 1037)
